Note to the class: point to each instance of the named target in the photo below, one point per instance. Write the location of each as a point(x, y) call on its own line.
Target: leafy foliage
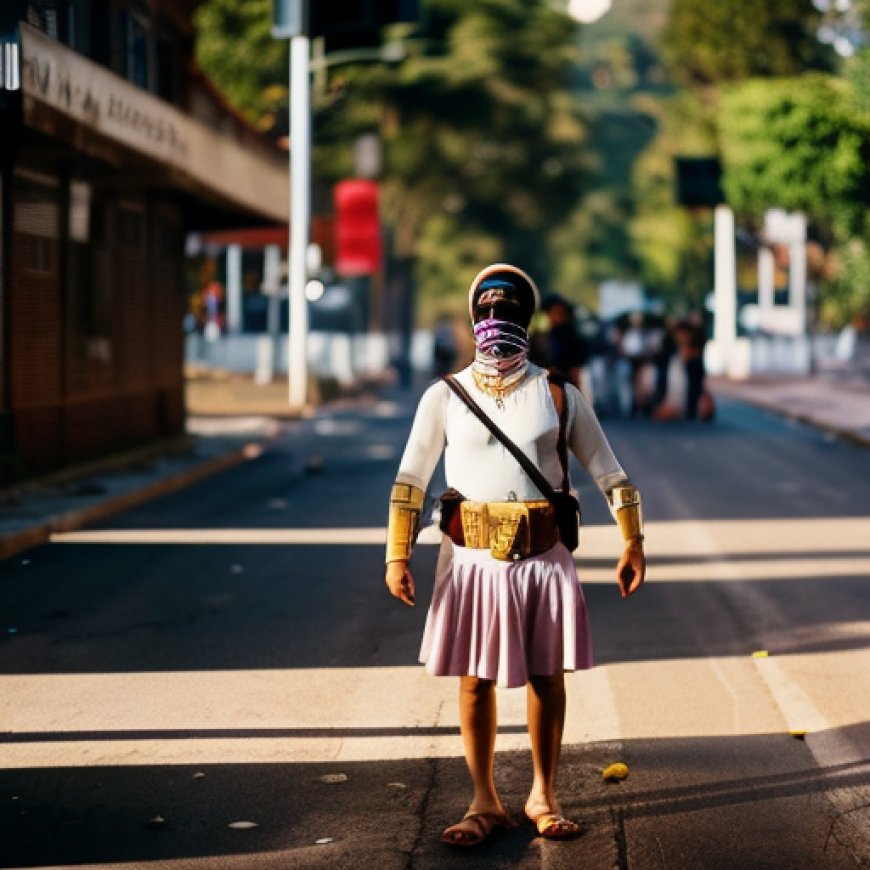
point(509, 133)
point(620, 85)
point(673, 244)
point(730, 40)
point(485, 149)
point(803, 144)
point(235, 47)
point(790, 136)
point(797, 144)
point(484, 146)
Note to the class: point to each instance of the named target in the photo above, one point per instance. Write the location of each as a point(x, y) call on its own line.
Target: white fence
point(787, 354)
point(347, 358)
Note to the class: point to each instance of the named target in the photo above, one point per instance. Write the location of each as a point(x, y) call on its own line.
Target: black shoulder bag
point(564, 503)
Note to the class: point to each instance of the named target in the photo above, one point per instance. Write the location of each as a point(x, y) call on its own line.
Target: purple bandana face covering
point(503, 343)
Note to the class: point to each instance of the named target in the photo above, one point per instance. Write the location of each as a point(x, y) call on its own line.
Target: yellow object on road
point(615, 772)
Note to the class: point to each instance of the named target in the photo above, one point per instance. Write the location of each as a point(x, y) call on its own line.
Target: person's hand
point(631, 569)
point(400, 582)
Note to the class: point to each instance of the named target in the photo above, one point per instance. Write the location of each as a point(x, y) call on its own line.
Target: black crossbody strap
point(560, 400)
point(529, 467)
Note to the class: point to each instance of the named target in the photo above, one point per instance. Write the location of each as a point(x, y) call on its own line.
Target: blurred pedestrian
point(506, 605)
point(634, 349)
point(691, 337)
point(599, 367)
point(212, 296)
point(564, 351)
point(662, 356)
point(444, 346)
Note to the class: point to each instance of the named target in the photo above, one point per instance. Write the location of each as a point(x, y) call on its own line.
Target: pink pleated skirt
point(505, 621)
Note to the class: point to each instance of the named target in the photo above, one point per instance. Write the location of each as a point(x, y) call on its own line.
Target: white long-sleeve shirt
point(476, 463)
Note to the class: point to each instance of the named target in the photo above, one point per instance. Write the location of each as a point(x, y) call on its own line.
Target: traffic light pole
point(300, 218)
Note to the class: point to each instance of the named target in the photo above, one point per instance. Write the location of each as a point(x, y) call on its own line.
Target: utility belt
point(510, 530)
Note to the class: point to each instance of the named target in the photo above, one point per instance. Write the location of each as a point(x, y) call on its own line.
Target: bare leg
point(546, 716)
point(477, 717)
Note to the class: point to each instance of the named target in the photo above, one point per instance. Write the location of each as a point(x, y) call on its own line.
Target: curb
point(36, 535)
point(847, 435)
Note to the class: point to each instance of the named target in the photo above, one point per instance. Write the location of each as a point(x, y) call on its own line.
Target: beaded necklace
point(497, 386)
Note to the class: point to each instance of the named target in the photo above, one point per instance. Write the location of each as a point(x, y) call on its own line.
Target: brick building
point(113, 146)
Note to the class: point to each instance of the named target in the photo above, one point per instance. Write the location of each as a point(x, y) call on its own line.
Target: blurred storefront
point(114, 147)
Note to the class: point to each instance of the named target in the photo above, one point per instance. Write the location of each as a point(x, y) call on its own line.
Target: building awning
point(322, 234)
point(57, 83)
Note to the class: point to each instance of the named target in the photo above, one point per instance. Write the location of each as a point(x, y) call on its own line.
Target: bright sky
point(588, 11)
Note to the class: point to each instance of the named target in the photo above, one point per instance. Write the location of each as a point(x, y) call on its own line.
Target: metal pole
point(272, 286)
point(234, 289)
point(797, 272)
point(319, 66)
point(300, 217)
point(267, 344)
point(725, 286)
point(797, 292)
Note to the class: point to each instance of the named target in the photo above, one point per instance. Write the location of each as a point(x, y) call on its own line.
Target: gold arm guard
point(406, 504)
point(626, 509)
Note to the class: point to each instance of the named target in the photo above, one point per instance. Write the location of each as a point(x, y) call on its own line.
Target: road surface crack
point(617, 816)
point(432, 764)
point(842, 820)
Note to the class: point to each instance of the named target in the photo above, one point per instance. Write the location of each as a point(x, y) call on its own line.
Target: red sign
point(357, 228)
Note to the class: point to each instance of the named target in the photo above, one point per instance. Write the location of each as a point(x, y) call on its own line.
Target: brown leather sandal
point(474, 829)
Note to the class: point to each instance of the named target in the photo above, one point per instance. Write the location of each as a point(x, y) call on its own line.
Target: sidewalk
point(836, 404)
point(233, 421)
point(230, 421)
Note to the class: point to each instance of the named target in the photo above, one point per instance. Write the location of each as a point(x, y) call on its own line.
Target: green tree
point(483, 142)
point(706, 44)
point(234, 46)
point(672, 243)
point(619, 86)
point(789, 135)
point(799, 144)
point(803, 144)
point(858, 67)
point(484, 146)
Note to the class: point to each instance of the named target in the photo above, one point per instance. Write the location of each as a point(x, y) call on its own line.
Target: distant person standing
point(633, 348)
point(691, 338)
point(212, 295)
point(565, 351)
point(599, 368)
point(662, 357)
point(444, 347)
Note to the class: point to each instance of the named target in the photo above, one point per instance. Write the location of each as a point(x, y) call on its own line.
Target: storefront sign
point(55, 76)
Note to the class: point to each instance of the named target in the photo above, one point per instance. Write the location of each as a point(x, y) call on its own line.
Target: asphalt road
point(229, 654)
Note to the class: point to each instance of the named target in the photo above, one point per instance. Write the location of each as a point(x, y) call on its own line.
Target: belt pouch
point(567, 518)
point(451, 516)
point(508, 533)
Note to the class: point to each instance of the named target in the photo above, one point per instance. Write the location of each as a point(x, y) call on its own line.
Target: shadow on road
point(213, 608)
point(389, 814)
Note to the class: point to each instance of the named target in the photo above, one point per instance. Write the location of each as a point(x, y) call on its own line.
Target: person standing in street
point(662, 356)
point(507, 607)
point(634, 349)
point(444, 349)
point(565, 351)
point(691, 338)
